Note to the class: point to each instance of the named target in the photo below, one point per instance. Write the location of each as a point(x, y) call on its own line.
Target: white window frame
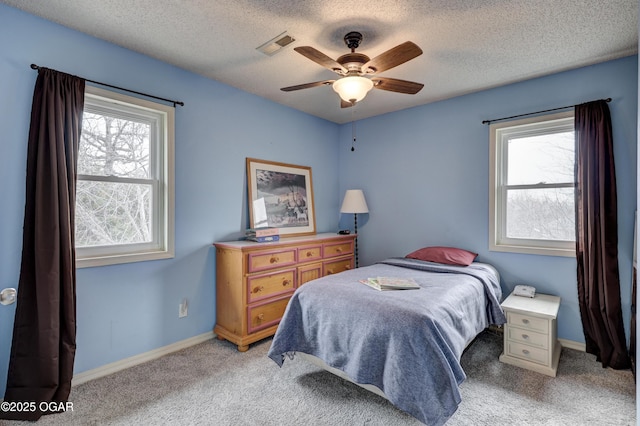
point(162, 182)
point(499, 136)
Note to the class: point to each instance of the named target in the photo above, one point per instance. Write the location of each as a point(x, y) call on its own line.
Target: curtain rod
point(537, 112)
point(36, 67)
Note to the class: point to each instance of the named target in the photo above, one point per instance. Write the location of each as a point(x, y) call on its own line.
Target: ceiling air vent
point(274, 45)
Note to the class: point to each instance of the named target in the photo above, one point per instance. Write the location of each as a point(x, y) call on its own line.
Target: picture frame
point(281, 196)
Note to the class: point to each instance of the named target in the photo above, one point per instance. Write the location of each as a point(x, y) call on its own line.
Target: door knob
point(8, 296)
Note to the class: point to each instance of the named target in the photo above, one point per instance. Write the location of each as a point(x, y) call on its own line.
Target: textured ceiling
point(468, 45)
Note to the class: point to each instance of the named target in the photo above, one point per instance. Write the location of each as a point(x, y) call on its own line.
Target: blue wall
point(130, 309)
point(425, 175)
point(424, 172)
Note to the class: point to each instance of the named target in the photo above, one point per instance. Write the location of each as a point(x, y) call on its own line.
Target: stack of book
point(391, 283)
point(263, 235)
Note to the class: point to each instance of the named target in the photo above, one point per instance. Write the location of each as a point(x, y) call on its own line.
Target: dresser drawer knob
point(285, 283)
point(273, 259)
point(525, 321)
point(329, 271)
point(309, 254)
point(525, 351)
point(258, 289)
point(260, 317)
point(339, 250)
point(525, 336)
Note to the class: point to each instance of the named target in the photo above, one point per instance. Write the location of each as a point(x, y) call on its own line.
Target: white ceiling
point(468, 45)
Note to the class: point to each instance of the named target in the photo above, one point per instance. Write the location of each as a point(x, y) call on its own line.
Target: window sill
point(533, 250)
point(90, 262)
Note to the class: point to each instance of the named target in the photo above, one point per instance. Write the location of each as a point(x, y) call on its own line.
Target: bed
point(405, 343)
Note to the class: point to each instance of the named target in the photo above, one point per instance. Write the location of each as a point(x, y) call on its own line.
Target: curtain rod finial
point(34, 67)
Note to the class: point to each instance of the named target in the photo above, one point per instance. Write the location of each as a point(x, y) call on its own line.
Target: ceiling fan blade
point(395, 85)
point(307, 85)
point(320, 58)
point(392, 58)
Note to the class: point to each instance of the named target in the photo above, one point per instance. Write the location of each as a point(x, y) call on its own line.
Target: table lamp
point(355, 203)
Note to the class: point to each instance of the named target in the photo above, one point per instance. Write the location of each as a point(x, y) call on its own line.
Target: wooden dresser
point(254, 281)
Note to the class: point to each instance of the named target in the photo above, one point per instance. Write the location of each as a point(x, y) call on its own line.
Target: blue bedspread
point(408, 343)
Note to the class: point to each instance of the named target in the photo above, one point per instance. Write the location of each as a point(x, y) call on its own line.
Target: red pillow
point(446, 255)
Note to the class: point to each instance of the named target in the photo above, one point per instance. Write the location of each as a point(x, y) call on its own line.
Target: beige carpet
point(213, 384)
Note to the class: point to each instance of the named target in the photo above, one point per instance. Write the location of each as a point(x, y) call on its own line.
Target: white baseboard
point(114, 367)
point(573, 345)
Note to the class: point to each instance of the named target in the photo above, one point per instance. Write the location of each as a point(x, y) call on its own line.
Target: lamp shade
point(354, 202)
point(353, 88)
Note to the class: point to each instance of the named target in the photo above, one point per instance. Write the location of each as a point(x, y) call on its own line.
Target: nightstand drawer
point(532, 338)
point(540, 325)
point(529, 353)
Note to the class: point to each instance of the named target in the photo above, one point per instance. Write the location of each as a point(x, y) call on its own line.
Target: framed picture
point(281, 196)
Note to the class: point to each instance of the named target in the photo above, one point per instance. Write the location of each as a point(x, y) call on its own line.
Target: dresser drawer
point(528, 337)
point(540, 325)
point(529, 353)
point(337, 249)
point(309, 272)
point(309, 253)
point(263, 315)
point(261, 261)
point(330, 268)
point(268, 285)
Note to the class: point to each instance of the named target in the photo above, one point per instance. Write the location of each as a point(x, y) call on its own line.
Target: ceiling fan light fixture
point(353, 88)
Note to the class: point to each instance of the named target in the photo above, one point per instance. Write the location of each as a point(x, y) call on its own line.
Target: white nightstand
point(530, 334)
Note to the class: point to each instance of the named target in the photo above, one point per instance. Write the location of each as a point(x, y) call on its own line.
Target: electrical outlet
point(183, 308)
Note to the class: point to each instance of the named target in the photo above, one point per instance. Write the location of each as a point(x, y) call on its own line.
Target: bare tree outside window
point(113, 201)
point(540, 196)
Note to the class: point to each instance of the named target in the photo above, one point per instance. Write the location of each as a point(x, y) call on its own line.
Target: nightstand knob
point(525, 321)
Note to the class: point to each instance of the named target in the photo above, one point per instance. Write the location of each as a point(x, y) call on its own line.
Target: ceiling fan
point(352, 87)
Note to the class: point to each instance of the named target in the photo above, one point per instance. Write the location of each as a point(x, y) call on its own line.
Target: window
point(124, 193)
point(532, 206)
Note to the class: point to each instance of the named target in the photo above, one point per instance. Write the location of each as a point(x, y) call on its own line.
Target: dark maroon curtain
point(44, 331)
point(597, 236)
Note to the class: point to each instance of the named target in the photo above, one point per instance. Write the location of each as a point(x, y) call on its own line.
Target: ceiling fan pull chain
point(353, 129)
